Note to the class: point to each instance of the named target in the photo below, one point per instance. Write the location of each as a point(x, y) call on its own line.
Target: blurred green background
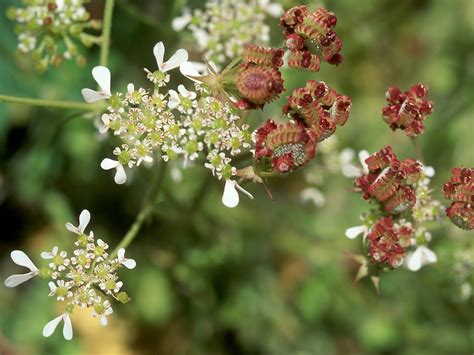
point(266, 277)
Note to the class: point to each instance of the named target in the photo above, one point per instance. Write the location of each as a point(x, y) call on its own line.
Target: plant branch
point(143, 214)
point(71, 105)
point(107, 30)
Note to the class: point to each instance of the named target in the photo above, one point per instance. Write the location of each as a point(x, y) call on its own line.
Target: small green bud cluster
point(50, 30)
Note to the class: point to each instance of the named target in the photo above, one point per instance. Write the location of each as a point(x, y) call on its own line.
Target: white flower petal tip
point(84, 219)
point(51, 326)
point(429, 171)
point(421, 256)
point(190, 72)
point(230, 197)
point(178, 58)
point(16, 280)
point(354, 232)
point(120, 175)
point(102, 76)
point(181, 22)
point(363, 155)
point(128, 263)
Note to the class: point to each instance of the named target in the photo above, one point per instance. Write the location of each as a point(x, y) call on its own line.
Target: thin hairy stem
point(144, 213)
point(418, 150)
point(69, 105)
point(106, 31)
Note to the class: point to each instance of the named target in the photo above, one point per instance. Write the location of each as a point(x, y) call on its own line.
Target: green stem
point(418, 150)
point(72, 105)
point(107, 30)
point(144, 213)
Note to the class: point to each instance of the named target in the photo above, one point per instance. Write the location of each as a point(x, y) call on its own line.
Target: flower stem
point(107, 30)
point(72, 105)
point(143, 214)
point(418, 150)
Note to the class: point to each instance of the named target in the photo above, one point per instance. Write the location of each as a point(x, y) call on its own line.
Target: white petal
point(201, 68)
point(159, 53)
point(275, 10)
point(173, 101)
point(120, 176)
point(129, 263)
point(130, 88)
point(121, 253)
point(414, 260)
point(429, 171)
point(346, 156)
point(45, 254)
point(185, 93)
point(84, 219)
point(230, 197)
point(189, 71)
point(102, 76)
point(67, 329)
point(52, 286)
point(353, 232)
point(103, 321)
point(20, 258)
point(91, 96)
point(202, 37)
point(15, 280)
point(314, 195)
point(363, 155)
point(181, 22)
point(245, 192)
point(429, 257)
point(108, 164)
point(70, 228)
point(350, 171)
point(176, 60)
point(50, 327)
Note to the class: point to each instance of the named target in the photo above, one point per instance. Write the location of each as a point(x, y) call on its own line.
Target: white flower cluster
point(425, 210)
point(47, 28)
point(178, 123)
point(87, 278)
point(223, 28)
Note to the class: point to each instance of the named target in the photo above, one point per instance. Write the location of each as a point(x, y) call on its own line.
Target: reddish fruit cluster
point(460, 190)
point(259, 79)
point(387, 242)
point(407, 110)
point(282, 148)
point(304, 30)
point(319, 108)
point(390, 180)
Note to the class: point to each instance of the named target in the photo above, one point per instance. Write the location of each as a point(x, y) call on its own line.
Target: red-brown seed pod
point(263, 56)
point(407, 110)
point(258, 84)
point(386, 242)
point(304, 60)
point(285, 146)
point(460, 190)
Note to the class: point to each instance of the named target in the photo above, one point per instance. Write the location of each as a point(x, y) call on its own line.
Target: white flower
point(107, 311)
point(421, 256)
point(175, 61)
point(20, 258)
point(175, 100)
point(230, 197)
point(84, 219)
point(314, 195)
point(102, 76)
point(50, 327)
point(120, 176)
point(353, 232)
point(128, 263)
point(273, 9)
point(182, 21)
point(349, 169)
point(428, 171)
